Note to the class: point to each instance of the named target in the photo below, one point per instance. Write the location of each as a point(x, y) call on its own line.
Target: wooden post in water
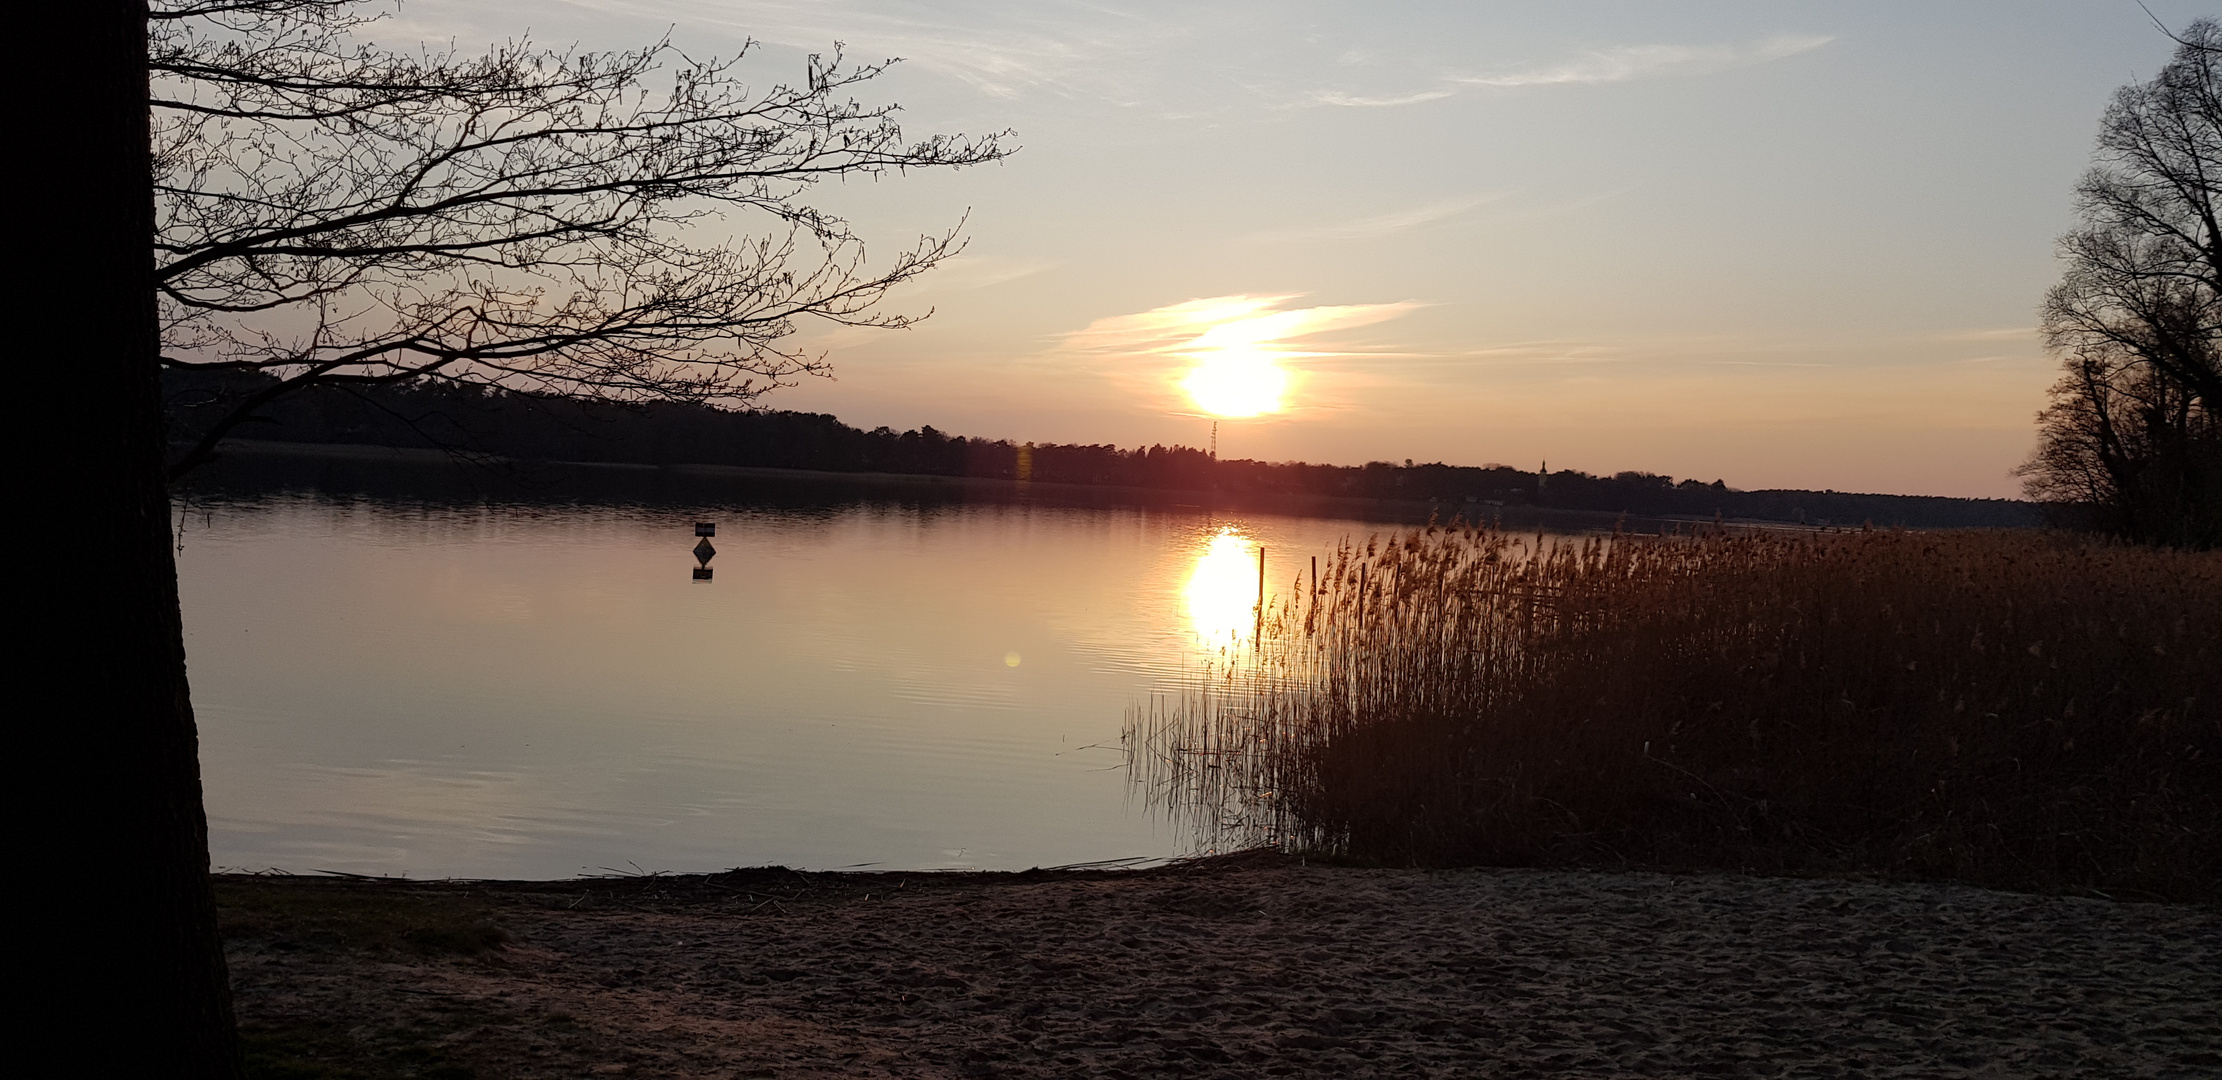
point(1257, 636)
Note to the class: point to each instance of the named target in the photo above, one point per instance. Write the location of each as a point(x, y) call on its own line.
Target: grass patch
point(366, 916)
point(2010, 709)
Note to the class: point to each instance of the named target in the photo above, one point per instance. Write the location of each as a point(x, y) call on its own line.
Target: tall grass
point(2011, 709)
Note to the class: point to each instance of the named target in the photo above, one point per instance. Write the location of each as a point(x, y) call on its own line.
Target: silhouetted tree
point(251, 189)
point(2132, 442)
point(121, 974)
point(332, 212)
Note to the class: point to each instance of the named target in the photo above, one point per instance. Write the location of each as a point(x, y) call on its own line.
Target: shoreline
point(1254, 964)
point(997, 489)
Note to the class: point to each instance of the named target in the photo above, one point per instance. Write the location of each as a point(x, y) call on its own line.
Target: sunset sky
point(1779, 244)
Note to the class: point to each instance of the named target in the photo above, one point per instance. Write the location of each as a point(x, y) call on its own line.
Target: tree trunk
point(128, 975)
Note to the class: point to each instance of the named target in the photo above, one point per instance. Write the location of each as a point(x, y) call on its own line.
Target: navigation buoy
point(704, 551)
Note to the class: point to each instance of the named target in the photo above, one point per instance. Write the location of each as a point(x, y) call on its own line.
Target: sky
point(1777, 244)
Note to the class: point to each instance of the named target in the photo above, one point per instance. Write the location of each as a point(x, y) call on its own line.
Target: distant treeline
point(448, 416)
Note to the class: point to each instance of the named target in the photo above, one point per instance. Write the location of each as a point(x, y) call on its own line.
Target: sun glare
point(1222, 590)
point(1236, 382)
point(1237, 349)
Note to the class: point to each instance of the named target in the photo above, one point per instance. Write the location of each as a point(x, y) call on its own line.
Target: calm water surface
point(393, 687)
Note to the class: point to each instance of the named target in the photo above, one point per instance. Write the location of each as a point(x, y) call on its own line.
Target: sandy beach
point(1242, 967)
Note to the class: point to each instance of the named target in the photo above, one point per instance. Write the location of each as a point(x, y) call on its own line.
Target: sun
point(1236, 381)
point(1235, 356)
point(1238, 371)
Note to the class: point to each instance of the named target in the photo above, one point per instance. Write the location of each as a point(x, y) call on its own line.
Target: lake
point(538, 688)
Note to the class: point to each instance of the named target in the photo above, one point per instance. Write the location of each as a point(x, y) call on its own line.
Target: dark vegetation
point(531, 428)
point(2014, 709)
point(2132, 441)
point(314, 913)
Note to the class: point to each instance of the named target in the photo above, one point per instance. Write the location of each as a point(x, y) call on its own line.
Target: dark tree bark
point(130, 976)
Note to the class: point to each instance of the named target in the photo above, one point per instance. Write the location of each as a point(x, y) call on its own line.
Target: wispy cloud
point(1405, 220)
point(1763, 363)
point(1059, 48)
point(1157, 329)
point(1361, 101)
point(2009, 333)
point(1626, 62)
point(1378, 225)
point(968, 272)
point(1222, 322)
point(1619, 63)
point(1545, 352)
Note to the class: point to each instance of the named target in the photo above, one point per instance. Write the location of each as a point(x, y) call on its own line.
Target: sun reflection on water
point(1222, 591)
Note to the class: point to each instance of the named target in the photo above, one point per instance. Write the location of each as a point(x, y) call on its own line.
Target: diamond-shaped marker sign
point(703, 551)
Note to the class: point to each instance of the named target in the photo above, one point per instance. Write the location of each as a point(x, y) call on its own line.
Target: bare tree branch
point(330, 211)
point(2133, 435)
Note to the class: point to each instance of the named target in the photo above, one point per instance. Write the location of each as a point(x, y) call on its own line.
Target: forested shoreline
point(525, 427)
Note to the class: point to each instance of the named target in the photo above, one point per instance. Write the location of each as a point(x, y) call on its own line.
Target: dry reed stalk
point(2015, 709)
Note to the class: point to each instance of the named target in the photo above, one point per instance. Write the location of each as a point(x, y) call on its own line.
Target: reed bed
point(2020, 710)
